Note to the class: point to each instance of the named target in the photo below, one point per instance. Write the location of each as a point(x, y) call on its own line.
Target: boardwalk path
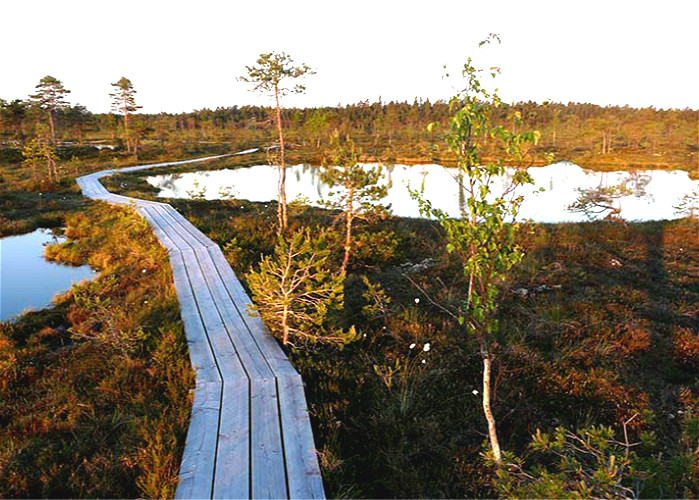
point(249, 434)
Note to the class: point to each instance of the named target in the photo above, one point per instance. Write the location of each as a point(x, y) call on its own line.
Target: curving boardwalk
point(249, 434)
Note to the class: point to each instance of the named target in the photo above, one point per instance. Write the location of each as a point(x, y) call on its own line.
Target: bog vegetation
point(475, 357)
point(94, 391)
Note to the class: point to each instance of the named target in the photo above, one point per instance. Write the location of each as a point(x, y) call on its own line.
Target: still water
point(27, 279)
point(652, 194)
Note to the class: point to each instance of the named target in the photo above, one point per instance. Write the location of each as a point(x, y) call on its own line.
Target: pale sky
point(183, 56)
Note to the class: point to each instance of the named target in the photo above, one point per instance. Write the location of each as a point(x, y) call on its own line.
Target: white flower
point(424, 361)
point(427, 347)
point(364, 335)
point(417, 300)
point(475, 392)
point(412, 346)
point(144, 271)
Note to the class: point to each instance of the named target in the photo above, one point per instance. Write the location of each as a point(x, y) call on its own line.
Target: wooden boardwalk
point(249, 434)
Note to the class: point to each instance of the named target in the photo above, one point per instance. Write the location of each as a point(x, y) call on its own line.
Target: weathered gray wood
point(164, 238)
point(250, 354)
point(272, 352)
point(303, 471)
point(304, 476)
point(236, 390)
point(268, 469)
point(249, 435)
point(187, 226)
point(180, 224)
point(201, 353)
point(198, 460)
point(269, 478)
point(232, 479)
point(172, 231)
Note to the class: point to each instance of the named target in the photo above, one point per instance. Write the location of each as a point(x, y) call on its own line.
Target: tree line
point(571, 131)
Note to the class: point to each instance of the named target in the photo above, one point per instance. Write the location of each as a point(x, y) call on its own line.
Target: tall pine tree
point(50, 96)
point(268, 76)
point(124, 103)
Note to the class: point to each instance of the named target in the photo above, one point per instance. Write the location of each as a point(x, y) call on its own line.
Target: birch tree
point(483, 239)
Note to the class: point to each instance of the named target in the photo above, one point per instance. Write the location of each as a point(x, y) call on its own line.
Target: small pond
point(650, 194)
point(27, 279)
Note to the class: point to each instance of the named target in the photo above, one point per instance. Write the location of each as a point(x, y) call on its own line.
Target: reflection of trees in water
point(462, 194)
point(602, 200)
point(389, 174)
point(306, 173)
point(168, 181)
point(638, 182)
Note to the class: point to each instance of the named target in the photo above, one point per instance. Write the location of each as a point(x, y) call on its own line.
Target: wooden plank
point(248, 350)
point(186, 227)
point(233, 459)
point(235, 383)
point(200, 350)
point(303, 471)
point(268, 468)
point(169, 240)
point(268, 345)
point(198, 459)
point(269, 476)
point(249, 435)
point(148, 213)
point(305, 480)
point(232, 479)
point(198, 464)
point(173, 231)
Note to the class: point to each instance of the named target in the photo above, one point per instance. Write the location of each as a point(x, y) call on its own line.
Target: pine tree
point(294, 291)
point(124, 102)
point(39, 151)
point(355, 191)
point(50, 96)
point(268, 76)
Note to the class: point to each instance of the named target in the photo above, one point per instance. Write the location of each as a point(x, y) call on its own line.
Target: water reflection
point(652, 193)
point(27, 280)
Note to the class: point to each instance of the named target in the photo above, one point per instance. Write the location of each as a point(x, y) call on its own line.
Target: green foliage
point(355, 188)
point(377, 302)
point(40, 153)
point(586, 464)
point(50, 94)
point(124, 97)
point(355, 191)
point(271, 70)
point(268, 76)
point(376, 248)
point(294, 291)
point(483, 239)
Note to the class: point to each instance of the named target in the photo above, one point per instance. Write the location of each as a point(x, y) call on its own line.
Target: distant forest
point(588, 134)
